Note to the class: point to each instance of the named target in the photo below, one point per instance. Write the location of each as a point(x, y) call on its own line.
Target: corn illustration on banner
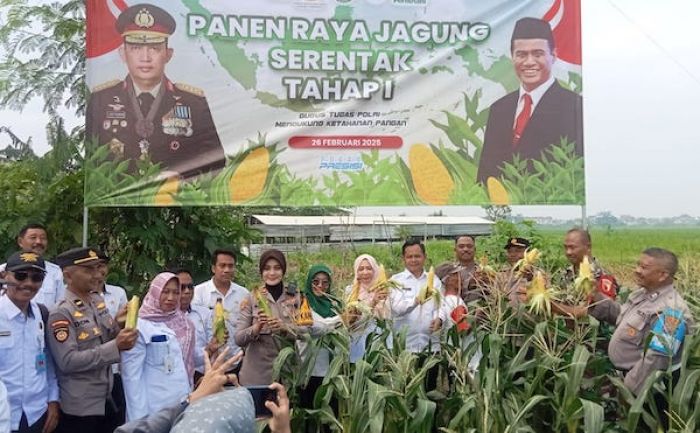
point(333, 103)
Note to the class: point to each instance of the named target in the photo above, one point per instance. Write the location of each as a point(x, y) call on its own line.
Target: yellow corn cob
point(584, 282)
point(219, 322)
point(304, 317)
point(164, 196)
point(497, 192)
point(485, 267)
point(381, 275)
point(431, 179)
point(531, 256)
point(132, 311)
point(248, 181)
point(354, 293)
point(539, 297)
point(264, 306)
point(428, 290)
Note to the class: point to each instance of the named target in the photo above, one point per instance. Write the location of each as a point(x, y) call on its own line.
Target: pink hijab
point(176, 320)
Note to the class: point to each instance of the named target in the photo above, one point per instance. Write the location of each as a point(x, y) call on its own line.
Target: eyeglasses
point(325, 283)
point(36, 277)
point(186, 286)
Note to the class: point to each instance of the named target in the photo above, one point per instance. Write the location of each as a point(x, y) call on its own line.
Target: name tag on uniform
point(5, 333)
point(40, 362)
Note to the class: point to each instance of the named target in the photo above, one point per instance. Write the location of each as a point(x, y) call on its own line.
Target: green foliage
point(43, 54)
point(557, 178)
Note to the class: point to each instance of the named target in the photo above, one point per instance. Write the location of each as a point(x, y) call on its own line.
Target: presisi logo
point(414, 3)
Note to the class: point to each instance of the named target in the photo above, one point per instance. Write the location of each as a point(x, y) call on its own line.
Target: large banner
point(334, 102)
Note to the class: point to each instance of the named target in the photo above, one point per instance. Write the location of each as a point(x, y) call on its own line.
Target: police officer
point(147, 116)
point(515, 250)
point(656, 310)
point(577, 246)
point(26, 366)
point(85, 341)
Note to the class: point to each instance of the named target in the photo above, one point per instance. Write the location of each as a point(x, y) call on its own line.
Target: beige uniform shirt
point(261, 350)
point(82, 340)
point(634, 323)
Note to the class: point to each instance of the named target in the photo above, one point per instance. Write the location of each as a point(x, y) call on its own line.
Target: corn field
point(514, 372)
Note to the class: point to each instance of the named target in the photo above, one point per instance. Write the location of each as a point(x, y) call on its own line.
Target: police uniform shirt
point(153, 371)
point(26, 366)
point(52, 289)
point(414, 319)
point(206, 294)
point(635, 321)
point(201, 318)
point(81, 337)
point(184, 137)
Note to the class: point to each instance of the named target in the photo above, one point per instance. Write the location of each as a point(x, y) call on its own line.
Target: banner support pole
point(584, 218)
point(85, 226)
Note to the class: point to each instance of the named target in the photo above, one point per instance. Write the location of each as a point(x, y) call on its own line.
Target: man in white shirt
point(33, 238)
point(539, 114)
point(115, 301)
point(26, 366)
point(221, 286)
point(4, 410)
point(419, 321)
point(201, 317)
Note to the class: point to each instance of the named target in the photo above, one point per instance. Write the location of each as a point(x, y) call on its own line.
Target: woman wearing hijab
point(324, 311)
point(366, 273)
point(258, 333)
point(157, 371)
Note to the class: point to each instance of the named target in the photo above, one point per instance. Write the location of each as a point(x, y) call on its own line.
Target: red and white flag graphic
point(102, 36)
point(565, 19)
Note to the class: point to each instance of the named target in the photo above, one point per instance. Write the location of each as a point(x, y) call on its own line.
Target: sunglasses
point(186, 286)
point(324, 284)
point(36, 277)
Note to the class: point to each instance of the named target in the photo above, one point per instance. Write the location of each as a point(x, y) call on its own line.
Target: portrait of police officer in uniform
point(147, 116)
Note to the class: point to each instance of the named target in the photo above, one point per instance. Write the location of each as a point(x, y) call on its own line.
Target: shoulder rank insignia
point(101, 305)
point(106, 85)
point(189, 89)
point(83, 335)
point(78, 303)
point(77, 314)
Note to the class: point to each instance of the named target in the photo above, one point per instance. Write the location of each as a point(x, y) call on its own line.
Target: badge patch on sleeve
point(669, 332)
point(60, 334)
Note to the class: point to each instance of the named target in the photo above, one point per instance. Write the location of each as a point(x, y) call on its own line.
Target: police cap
point(77, 257)
point(23, 260)
point(517, 242)
point(145, 24)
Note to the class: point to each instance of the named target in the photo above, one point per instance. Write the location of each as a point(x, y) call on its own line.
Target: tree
point(48, 63)
point(497, 212)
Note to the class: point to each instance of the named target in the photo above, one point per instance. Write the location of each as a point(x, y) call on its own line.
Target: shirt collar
point(153, 91)
point(11, 310)
point(410, 274)
point(538, 92)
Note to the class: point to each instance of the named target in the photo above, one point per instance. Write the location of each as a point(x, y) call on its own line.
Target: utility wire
point(653, 41)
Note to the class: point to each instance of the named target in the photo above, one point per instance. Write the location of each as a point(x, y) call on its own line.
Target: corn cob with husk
point(304, 317)
point(132, 311)
point(585, 281)
point(354, 293)
point(263, 305)
point(428, 291)
point(539, 296)
point(383, 285)
point(485, 268)
point(219, 322)
point(530, 259)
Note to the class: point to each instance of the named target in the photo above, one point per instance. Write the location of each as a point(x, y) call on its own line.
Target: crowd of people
point(69, 363)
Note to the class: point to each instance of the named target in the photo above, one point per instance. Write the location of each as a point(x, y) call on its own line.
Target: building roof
point(284, 220)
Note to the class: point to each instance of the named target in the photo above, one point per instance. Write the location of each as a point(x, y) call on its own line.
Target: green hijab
point(322, 305)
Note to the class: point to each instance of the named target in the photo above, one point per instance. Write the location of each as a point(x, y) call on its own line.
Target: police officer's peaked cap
point(145, 24)
point(77, 257)
point(23, 260)
point(517, 242)
point(533, 28)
